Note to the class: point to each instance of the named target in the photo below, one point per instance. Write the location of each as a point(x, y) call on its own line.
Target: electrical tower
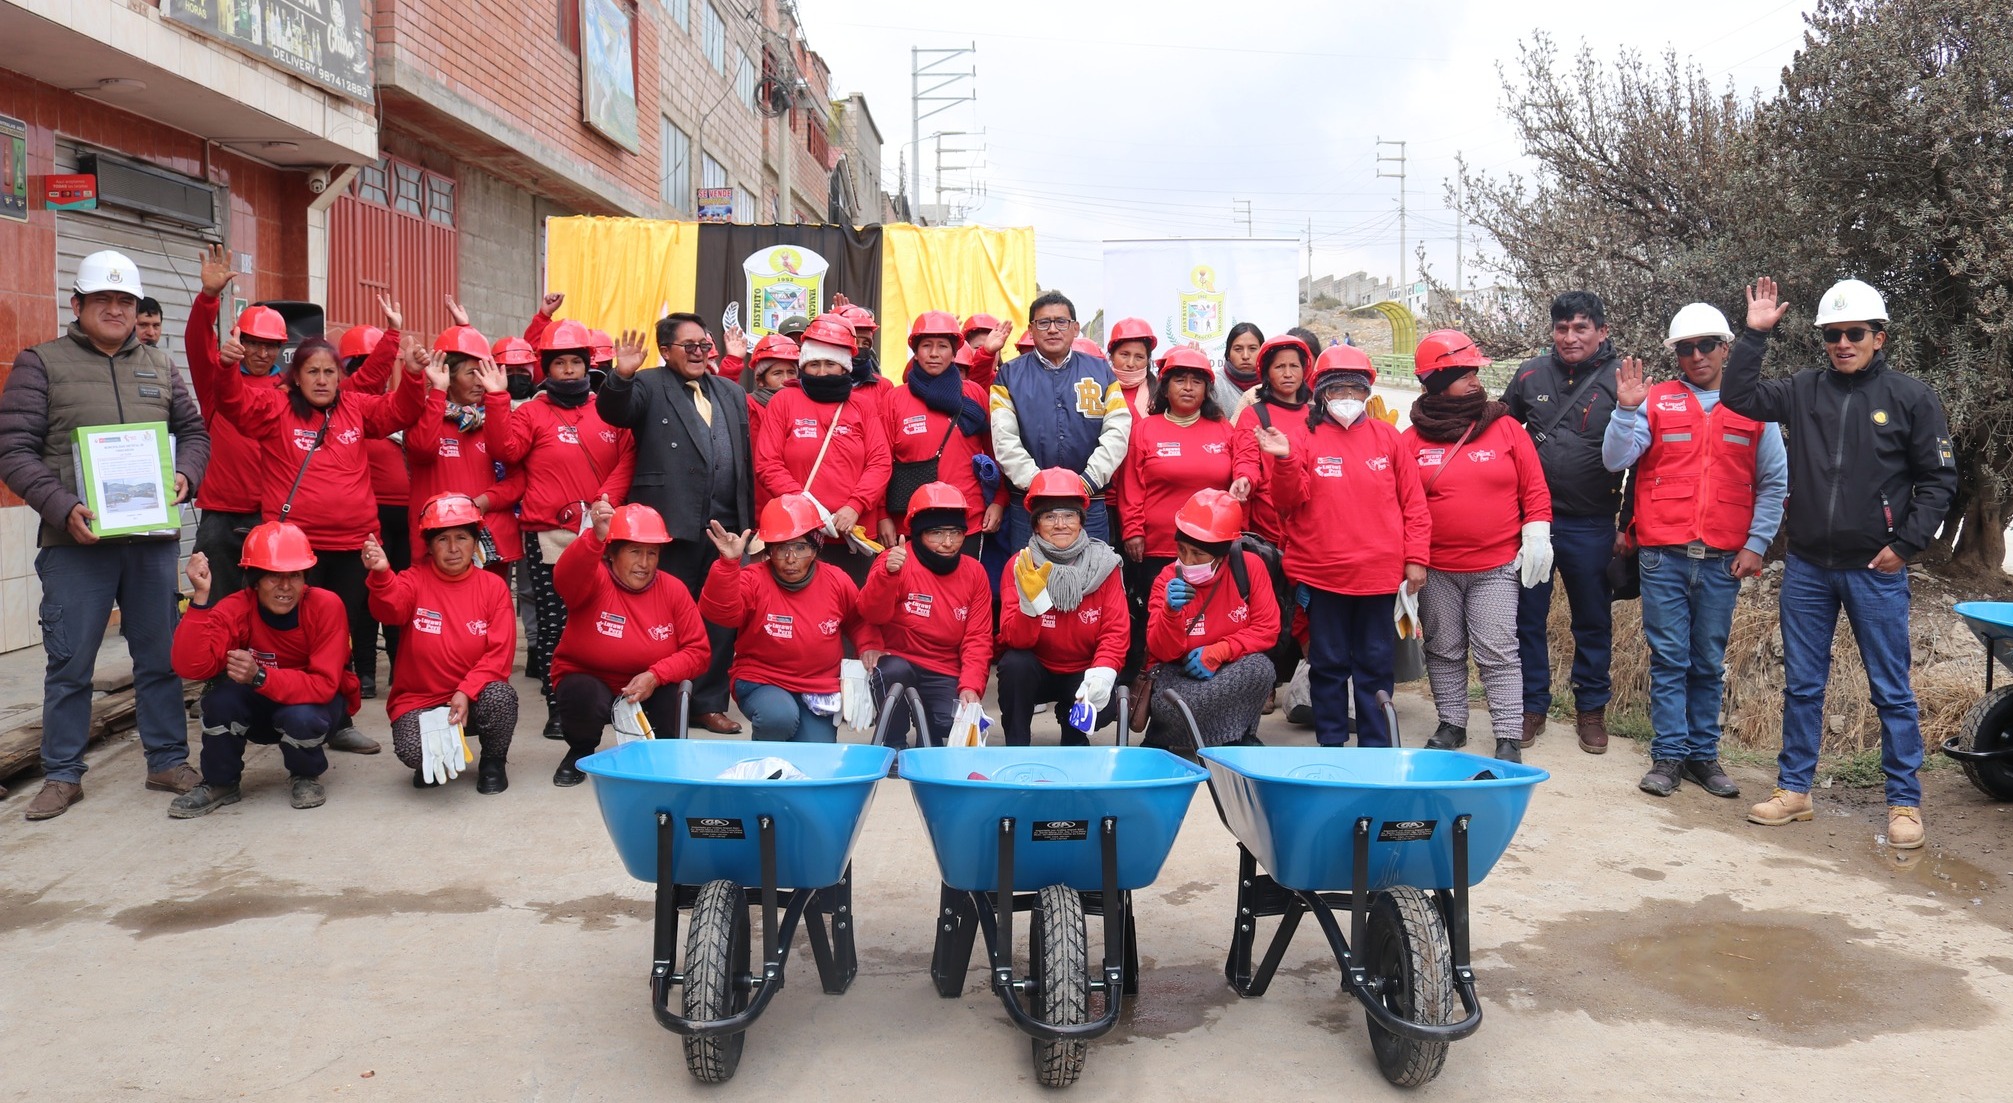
point(1242, 209)
point(1404, 285)
point(930, 82)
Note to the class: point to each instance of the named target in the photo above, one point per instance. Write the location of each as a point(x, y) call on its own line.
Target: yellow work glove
point(1379, 411)
point(1033, 583)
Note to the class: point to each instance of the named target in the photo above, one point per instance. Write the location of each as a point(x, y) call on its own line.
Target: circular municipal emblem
point(786, 260)
point(1880, 417)
point(1204, 278)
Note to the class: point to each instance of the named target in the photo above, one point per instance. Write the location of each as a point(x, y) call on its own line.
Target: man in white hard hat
point(99, 373)
point(1709, 492)
point(1871, 475)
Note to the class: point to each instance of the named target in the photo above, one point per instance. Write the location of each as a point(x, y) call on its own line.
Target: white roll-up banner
point(1195, 289)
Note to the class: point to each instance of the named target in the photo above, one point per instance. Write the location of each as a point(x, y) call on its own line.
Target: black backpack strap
point(1239, 571)
point(1264, 415)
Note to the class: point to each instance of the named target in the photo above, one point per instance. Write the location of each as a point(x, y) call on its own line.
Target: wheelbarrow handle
point(893, 693)
point(1390, 716)
point(1357, 982)
point(1187, 717)
point(1124, 715)
point(1114, 983)
point(1951, 748)
point(684, 708)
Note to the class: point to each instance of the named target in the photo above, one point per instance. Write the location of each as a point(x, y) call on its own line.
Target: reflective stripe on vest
point(1697, 480)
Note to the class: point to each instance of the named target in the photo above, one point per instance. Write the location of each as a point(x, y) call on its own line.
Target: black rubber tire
point(1059, 982)
point(1407, 946)
point(1989, 727)
point(716, 958)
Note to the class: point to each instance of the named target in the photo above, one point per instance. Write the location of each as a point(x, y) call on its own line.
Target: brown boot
point(1781, 808)
point(1534, 725)
point(175, 779)
point(55, 799)
point(1593, 728)
point(1904, 827)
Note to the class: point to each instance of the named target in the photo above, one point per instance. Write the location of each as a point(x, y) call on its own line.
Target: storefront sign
point(716, 204)
point(13, 169)
point(318, 40)
point(76, 192)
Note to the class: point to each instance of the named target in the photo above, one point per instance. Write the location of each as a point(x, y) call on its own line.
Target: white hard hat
point(108, 270)
point(1698, 320)
point(1851, 301)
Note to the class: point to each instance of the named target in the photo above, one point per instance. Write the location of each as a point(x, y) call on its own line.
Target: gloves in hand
point(1405, 614)
point(1197, 667)
point(856, 700)
point(1534, 559)
point(1032, 581)
point(1302, 595)
point(824, 515)
point(1180, 592)
point(1097, 685)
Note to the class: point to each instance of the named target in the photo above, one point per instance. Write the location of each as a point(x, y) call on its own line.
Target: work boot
point(201, 801)
point(306, 792)
point(552, 730)
point(719, 723)
point(1707, 775)
point(1785, 807)
point(1301, 716)
point(347, 738)
point(179, 778)
point(1904, 827)
point(1447, 736)
point(569, 772)
point(490, 776)
point(55, 799)
point(366, 686)
point(1508, 750)
point(1593, 729)
point(1534, 726)
point(1663, 778)
point(419, 779)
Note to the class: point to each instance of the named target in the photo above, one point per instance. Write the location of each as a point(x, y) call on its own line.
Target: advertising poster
point(608, 70)
point(13, 169)
point(1193, 290)
point(318, 40)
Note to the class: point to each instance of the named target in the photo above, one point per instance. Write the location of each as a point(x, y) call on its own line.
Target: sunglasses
point(1856, 334)
point(693, 348)
point(1704, 346)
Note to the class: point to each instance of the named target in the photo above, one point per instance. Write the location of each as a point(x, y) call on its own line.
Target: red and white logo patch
point(1090, 614)
point(349, 436)
point(1198, 628)
point(961, 613)
point(829, 627)
point(427, 621)
point(804, 428)
point(1213, 448)
point(918, 605)
point(1167, 449)
point(450, 448)
point(1048, 620)
point(1378, 463)
point(1328, 467)
point(1240, 614)
point(568, 434)
point(778, 626)
point(1432, 457)
point(1481, 455)
point(660, 632)
point(478, 627)
point(916, 425)
point(1671, 404)
point(611, 625)
point(304, 439)
point(608, 436)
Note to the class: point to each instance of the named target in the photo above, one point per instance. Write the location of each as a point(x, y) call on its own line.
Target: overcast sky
point(1130, 119)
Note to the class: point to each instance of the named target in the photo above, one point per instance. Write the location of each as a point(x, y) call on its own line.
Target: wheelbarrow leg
point(664, 949)
point(1258, 897)
point(957, 926)
point(837, 962)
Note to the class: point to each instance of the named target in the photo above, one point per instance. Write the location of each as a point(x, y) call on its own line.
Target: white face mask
point(1345, 410)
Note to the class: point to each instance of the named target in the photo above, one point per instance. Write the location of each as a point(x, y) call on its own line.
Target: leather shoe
point(179, 778)
point(1664, 777)
point(569, 772)
point(201, 801)
point(347, 738)
point(55, 799)
point(1707, 774)
point(1534, 726)
point(1507, 750)
point(490, 776)
point(552, 730)
point(306, 792)
point(366, 686)
point(719, 723)
point(1593, 730)
point(1446, 737)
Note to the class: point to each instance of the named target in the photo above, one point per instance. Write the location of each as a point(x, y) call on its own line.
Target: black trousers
point(586, 705)
point(397, 542)
point(939, 693)
point(688, 561)
point(221, 538)
point(342, 574)
point(1025, 683)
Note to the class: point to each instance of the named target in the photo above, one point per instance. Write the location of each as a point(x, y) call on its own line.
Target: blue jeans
point(80, 584)
point(781, 716)
point(1876, 604)
point(1018, 526)
point(1687, 610)
point(234, 715)
point(1581, 549)
point(1350, 638)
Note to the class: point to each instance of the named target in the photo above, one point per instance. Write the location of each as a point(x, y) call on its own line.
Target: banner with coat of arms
point(1193, 290)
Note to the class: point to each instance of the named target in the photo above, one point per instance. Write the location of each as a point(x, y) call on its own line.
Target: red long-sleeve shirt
point(570, 458)
point(1261, 513)
point(460, 633)
point(915, 432)
point(791, 640)
point(1481, 494)
point(615, 633)
point(1227, 625)
point(856, 466)
point(1165, 464)
point(1095, 633)
point(306, 664)
point(1357, 513)
point(942, 623)
point(445, 460)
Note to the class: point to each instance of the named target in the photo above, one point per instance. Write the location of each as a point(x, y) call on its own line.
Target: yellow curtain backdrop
point(622, 273)
point(963, 269)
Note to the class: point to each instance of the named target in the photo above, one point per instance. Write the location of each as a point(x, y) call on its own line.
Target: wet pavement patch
point(22, 910)
point(1800, 978)
point(263, 899)
point(594, 913)
point(1172, 999)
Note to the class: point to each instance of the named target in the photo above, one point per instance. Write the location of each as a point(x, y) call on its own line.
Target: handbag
point(909, 477)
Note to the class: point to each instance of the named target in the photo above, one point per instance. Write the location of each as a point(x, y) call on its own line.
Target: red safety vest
point(1696, 481)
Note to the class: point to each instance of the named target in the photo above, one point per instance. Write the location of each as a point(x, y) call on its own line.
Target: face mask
point(1345, 410)
point(1197, 574)
point(519, 386)
point(825, 388)
point(1130, 380)
point(567, 392)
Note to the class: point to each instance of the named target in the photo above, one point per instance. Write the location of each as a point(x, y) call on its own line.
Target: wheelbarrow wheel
point(1989, 727)
point(1059, 982)
point(1408, 951)
point(716, 957)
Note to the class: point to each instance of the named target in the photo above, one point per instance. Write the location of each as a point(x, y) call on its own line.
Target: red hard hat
point(1340, 358)
point(638, 524)
point(444, 511)
point(980, 322)
point(1190, 357)
point(1086, 346)
point(1057, 482)
point(1285, 341)
point(263, 323)
point(356, 341)
point(513, 350)
point(567, 336)
point(1446, 348)
point(1026, 341)
point(859, 317)
point(935, 323)
point(1132, 329)
point(464, 340)
point(786, 517)
point(832, 328)
point(774, 347)
point(277, 546)
point(966, 356)
point(1211, 516)
point(935, 496)
point(603, 347)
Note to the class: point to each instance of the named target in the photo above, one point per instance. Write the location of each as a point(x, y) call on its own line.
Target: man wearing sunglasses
point(1709, 493)
point(1871, 476)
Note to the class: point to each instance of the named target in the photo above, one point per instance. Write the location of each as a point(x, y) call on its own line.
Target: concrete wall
point(499, 247)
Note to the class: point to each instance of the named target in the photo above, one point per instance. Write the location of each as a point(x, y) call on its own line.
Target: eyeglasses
point(1834, 334)
point(1059, 514)
point(692, 348)
point(796, 549)
point(1050, 325)
point(1704, 346)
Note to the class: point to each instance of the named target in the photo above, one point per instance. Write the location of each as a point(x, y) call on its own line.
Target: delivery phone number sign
point(318, 40)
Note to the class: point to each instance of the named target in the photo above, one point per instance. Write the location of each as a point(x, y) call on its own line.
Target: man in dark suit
point(692, 466)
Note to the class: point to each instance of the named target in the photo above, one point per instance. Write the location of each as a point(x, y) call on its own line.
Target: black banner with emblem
point(767, 273)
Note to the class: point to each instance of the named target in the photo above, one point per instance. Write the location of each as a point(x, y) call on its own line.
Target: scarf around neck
point(466, 418)
point(944, 393)
point(1443, 419)
point(1077, 571)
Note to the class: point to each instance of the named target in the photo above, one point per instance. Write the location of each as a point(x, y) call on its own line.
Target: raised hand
point(241, 667)
point(1764, 305)
point(413, 351)
point(232, 352)
point(630, 349)
point(493, 378)
point(737, 343)
point(1631, 389)
point(896, 557)
point(373, 555)
point(198, 571)
point(550, 303)
point(217, 271)
point(455, 312)
point(730, 545)
point(839, 299)
point(437, 375)
point(603, 515)
point(996, 338)
point(393, 317)
point(1273, 441)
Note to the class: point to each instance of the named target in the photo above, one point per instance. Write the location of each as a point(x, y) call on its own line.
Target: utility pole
point(1310, 261)
point(1404, 285)
point(1242, 207)
point(928, 65)
point(1460, 239)
point(965, 208)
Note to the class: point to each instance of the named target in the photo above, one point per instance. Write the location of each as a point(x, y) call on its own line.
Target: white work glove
point(453, 751)
point(1096, 688)
point(429, 754)
point(824, 515)
point(856, 699)
point(1534, 559)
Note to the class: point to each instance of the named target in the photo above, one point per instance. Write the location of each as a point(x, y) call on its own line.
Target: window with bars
point(681, 13)
point(372, 184)
point(744, 205)
point(406, 194)
point(713, 36)
point(712, 174)
point(439, 200)
point(674, 165)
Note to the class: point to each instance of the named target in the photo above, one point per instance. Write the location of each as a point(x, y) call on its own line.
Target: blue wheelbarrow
point(1059, 832)
point(1394, 837)
point(1984, 745)
point(708, 842)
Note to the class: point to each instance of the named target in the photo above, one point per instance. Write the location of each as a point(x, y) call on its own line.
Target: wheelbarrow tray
point(1294, 808)
point(1992, 623)
point(817, 819)
point(1056, 797)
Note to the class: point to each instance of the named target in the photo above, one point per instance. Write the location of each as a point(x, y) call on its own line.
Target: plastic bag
point(767, 768)
point(630, 722)
point(1405, 615)
point(970, 726)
